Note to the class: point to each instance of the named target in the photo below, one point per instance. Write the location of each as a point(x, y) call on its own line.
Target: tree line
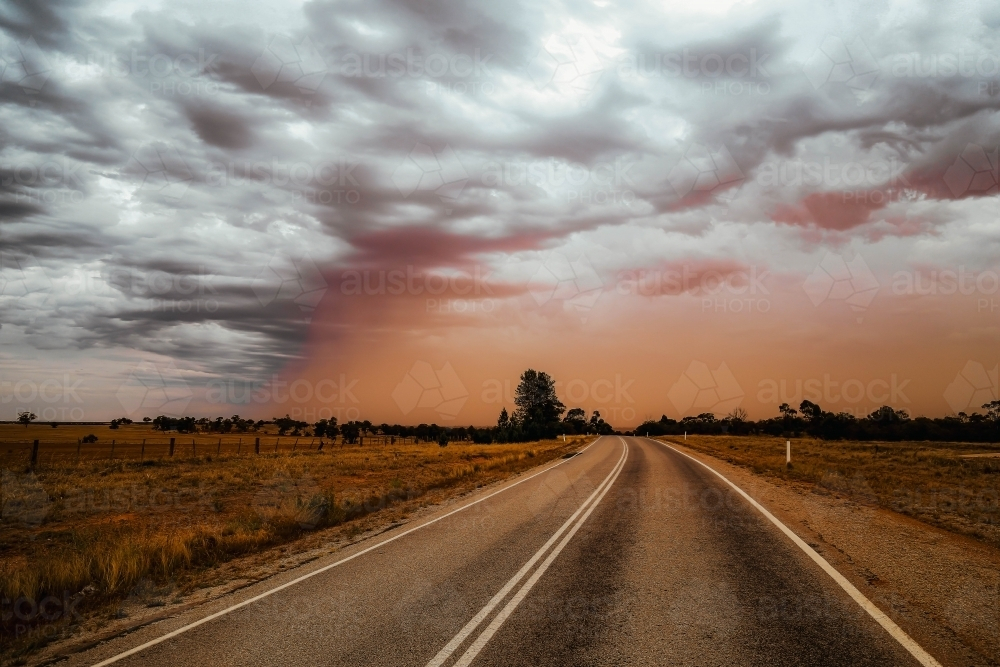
point(885, 423)
point(538, 414)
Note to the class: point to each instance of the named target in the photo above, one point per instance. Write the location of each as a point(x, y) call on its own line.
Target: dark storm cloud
point(223, 143)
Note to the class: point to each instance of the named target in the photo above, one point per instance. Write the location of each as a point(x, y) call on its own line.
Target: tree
point(992, 410)
point(326, 428)
point(738, 415)
point(810, 410)
point(575, 421)
point(26, 417)
point(598, 425)
point(351, 431)
point(887, 415)
point(536, 401)
point(787, 411)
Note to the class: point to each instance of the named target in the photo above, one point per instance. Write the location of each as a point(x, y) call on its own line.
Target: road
point(627, 554)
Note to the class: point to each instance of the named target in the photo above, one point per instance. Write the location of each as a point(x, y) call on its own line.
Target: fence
point(40, 452)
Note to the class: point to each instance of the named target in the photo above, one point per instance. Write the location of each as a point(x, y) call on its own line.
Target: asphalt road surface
point(626, 554)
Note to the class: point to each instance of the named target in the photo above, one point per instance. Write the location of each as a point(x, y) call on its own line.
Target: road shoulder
point(942, 589)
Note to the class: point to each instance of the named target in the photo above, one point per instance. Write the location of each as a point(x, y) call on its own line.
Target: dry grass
point(95, 532)
point(134, 441)
point(930, 481)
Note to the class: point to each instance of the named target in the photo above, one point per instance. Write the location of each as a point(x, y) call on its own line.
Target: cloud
point(163, 151)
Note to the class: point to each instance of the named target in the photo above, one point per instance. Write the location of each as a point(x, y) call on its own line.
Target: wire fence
point(14, 453)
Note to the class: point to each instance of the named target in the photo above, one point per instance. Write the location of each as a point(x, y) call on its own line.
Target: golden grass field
point(936, 482)
point(135, 441)
point(107, 526)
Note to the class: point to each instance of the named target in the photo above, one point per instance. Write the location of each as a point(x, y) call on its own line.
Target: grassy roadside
point(930, 481)
point(79, 538)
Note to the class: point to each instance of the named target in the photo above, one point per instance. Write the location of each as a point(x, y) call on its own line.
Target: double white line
point(579, 517)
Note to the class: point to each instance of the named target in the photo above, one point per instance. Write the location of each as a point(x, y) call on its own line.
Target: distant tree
point(576, 420)
point(26, 417)
point(536, 401)
point(888, 415)
point(284, 424)
point(738, 415)
point(787, 411)
point(351, 431)
point(326, 428)
point(146, 419)
point(87, 439)
point(992, 410)
point(115, 423)
point(810, 410)
point(598, 425)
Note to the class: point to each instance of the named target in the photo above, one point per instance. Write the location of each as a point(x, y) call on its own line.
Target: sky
point(388, 210)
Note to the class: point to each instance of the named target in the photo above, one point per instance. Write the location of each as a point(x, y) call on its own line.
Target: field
point(91, 532)
point(955, 486)
point(137, 441)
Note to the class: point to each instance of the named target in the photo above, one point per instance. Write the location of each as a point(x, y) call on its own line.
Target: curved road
point(627, 554)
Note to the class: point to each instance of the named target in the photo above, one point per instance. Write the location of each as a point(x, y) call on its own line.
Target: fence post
point(219, 450)
point(276, 441)
point(112, 449)
point(142, 452)
point(78, 450)
point(34, 454)
point(171, 446)
point(256, 446)
point(194, 450)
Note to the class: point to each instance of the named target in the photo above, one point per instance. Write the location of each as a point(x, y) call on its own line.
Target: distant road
point(627, 554)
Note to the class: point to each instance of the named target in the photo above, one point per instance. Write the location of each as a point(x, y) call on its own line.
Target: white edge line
point(463, 634)
point(483, 639)
point(890, 626)
point(309, 575)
